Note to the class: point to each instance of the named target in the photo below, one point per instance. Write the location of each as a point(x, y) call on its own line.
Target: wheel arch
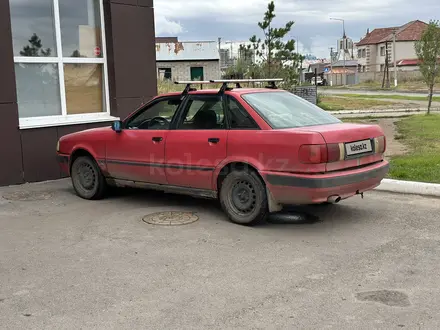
point(78, 152)
point(225, 169)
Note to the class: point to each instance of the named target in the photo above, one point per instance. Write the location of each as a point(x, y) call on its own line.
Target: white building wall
point(405, 50)
point(182, 70)
point(374, 60)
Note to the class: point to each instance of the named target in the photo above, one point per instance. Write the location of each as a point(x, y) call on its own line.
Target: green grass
point(422, 135)
point(369, 119)
point(335, 103)
point(392, 97)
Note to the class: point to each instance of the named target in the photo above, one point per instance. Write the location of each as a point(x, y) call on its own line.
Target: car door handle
point(157, 139)
point(213, 140)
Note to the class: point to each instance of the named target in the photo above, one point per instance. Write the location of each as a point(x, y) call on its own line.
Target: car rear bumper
point(289, 188)
point(63, 162)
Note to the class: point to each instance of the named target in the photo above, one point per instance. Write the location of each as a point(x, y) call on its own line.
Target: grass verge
point(422, 135)
point(331, 103)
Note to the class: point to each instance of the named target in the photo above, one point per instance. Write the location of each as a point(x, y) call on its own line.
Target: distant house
point(187, 60)
point(372, 49)
point(351, 66)
point(318, 65)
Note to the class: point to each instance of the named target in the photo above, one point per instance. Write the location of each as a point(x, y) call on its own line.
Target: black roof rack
point(225, 83)
point(188, 84)
point(238, 82)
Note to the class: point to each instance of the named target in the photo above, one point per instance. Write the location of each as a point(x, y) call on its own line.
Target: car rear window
point(283, 109)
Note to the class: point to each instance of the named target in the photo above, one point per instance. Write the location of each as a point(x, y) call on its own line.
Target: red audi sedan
point(253, 149)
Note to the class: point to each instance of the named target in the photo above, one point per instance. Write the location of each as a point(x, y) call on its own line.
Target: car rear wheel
point(243, 198)
point(87, 179)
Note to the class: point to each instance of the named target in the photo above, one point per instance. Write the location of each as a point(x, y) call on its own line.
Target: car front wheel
point(243, 198)
point(87, 179)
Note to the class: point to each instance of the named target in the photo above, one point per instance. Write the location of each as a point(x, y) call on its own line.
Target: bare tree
point(428, 52)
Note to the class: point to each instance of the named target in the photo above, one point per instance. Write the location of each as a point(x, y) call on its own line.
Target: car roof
point(235, 91)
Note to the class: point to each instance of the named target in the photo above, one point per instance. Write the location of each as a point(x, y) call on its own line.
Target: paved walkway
point(66, 263)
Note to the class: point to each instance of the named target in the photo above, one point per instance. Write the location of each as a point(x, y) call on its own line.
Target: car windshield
point(283, 109)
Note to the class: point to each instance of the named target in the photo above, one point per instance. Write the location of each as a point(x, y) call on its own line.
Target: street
point(67, 263)
point(337, 91)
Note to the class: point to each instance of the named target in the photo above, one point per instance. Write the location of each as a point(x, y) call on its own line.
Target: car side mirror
point(117, 126)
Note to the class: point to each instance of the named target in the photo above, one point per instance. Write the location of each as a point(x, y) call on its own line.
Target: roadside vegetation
point(335, 103)
point(428, 52)
point(421, 134)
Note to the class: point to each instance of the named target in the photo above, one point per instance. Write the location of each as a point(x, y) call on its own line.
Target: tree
point(428, 52)
point(276, 54)
point(35, 48)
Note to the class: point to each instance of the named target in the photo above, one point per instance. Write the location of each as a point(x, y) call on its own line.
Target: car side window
point(238, 117)
point(203, 112)
point(157, 116)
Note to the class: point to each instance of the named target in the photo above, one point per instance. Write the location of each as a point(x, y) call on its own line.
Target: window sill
point(54, 121)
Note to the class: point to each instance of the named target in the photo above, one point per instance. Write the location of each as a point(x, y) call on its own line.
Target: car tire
point(243, 198)
point(87, 178)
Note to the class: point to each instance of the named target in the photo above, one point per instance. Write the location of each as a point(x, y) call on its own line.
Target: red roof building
point(377, 44)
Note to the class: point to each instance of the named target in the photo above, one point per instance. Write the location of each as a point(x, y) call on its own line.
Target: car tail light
point(319, 153)
point(381, 144)
point(335, 152)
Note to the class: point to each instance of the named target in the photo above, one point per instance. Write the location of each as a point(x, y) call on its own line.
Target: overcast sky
point(237, 19)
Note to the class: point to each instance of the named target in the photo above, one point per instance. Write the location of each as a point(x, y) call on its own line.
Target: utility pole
point(344, 44)
point(394, 58)
point(331, 66)
point(386, 71)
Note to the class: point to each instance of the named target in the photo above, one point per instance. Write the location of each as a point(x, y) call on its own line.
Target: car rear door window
point(238, 117)
point(203, 112)
point(281, 109)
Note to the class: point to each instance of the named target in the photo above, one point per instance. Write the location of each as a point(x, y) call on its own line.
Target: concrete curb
point(409, 187)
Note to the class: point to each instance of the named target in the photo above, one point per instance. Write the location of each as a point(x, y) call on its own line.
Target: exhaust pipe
point(334, 199)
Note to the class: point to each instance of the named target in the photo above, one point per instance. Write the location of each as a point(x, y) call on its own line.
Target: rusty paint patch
point(178, 46)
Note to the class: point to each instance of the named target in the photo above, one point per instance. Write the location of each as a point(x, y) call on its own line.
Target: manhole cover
point(27, 196)
point(171, 218)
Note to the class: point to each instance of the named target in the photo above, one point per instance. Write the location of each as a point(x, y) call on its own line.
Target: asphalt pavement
point(67, 263)
point(337, 91)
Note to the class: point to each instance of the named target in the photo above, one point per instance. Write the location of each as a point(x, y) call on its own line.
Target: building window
point(382, 51)
point(359, 53)
point(364, 53)
point(165, 74)
point(60, 61)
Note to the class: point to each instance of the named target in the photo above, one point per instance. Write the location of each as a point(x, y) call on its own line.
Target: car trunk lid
point(358, 144)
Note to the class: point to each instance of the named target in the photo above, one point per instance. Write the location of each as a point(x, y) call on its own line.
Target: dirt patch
point(394, 146)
